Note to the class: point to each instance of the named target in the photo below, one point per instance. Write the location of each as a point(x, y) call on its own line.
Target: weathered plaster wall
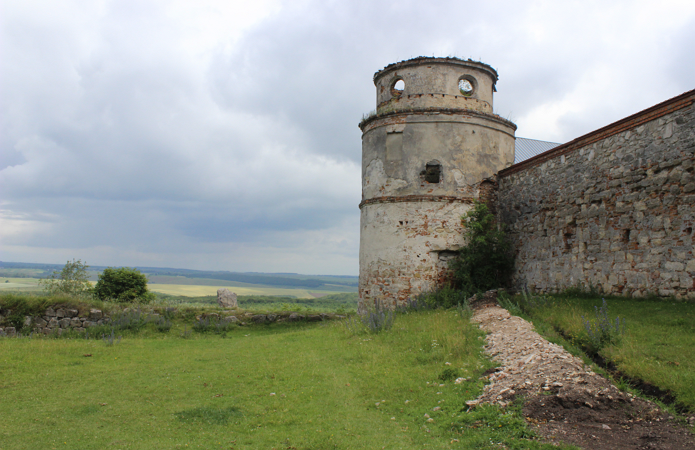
point(407, 246)
point(614, 208)
point(410, 225)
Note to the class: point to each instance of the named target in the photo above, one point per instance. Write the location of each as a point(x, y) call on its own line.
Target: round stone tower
point(426, 154)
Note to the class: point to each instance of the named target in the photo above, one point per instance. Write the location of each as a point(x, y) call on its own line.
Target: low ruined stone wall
point(613, 209)
point(57, 320)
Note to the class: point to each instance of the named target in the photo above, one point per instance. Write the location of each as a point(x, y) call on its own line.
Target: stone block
point(673, 265)
point(95, 314)
point(60, 313)
point(39, 322)
point(75, 323)
point(666, 276)
point(50, 312)
point(89, 324)
point(71, 313)
point(53, 323)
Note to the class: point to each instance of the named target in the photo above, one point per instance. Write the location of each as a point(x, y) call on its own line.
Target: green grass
point(281, 386)
point(657, 346)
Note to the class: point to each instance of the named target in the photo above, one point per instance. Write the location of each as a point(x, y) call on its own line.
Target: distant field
point(187, 287)
point(181, 280)
point(188, 290)
point(19, 284)
point(14, 272)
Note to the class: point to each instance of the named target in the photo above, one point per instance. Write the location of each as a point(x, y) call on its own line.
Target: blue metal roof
point(528, 148)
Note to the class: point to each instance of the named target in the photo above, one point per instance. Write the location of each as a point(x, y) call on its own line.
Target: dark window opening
point(625, 236)
point(447, 255)
point(689, 230)
point(433, 173)
point(568, 238)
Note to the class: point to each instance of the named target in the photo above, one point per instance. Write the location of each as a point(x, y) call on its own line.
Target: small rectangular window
point(433, 173)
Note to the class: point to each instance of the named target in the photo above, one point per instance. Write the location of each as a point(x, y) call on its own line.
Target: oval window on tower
point(466, 86)
point(397, 87)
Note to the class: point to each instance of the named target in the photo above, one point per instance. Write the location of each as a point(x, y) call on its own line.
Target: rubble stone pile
point(533, 366)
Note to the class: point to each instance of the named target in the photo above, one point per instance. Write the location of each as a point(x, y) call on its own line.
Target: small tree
point(71, 280)
point(124, 284)
point(486, 261)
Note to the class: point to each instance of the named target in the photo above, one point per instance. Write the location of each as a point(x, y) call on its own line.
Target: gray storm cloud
point(151, 133)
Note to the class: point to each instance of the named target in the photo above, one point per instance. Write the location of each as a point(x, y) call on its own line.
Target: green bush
point(72, 280)
point(486, 261)
point(123, 284)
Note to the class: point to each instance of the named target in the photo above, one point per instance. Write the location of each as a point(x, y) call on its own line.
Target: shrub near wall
point(613, 209)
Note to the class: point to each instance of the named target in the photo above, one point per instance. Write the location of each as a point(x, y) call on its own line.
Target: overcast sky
point(223, 136)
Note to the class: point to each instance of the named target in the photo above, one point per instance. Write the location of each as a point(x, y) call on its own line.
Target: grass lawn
point(266, 387)
point(657, 346)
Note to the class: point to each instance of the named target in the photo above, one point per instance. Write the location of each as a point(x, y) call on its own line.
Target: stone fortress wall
point(613, 209)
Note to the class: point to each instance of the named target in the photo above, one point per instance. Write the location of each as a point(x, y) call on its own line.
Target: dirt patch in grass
point(209, 415)
point(610, 425)
point(565, 400)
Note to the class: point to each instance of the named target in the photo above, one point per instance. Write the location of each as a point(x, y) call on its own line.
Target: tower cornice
point(369, 122)
point(424, 60)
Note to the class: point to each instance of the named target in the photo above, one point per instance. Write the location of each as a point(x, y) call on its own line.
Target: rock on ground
point(226, 298)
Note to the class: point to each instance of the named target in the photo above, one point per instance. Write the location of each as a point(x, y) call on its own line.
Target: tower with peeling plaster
point(427, 153)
